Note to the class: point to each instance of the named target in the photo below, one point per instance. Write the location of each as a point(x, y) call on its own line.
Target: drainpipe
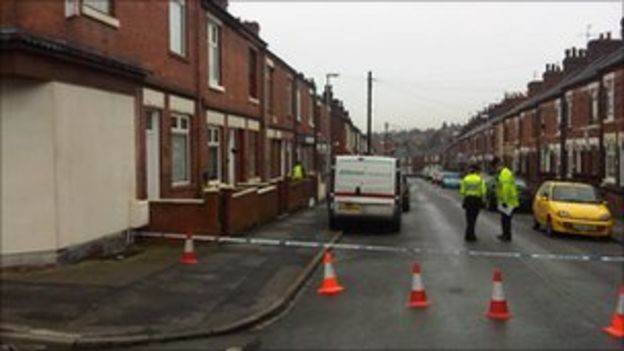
point(601, 117)
point(198, 105)
point(563, 153)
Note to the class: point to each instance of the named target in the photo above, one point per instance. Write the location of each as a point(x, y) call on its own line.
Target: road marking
point(392, 249)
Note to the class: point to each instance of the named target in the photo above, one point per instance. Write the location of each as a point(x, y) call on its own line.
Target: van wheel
point(395, 226)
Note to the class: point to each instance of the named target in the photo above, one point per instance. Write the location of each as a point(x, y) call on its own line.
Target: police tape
point(391, 249)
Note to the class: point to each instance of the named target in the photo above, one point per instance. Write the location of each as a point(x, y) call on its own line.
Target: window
point(311, 110)
point(289, 98)
point(269, 90)
point(298, 104)
point(214, 55)
point(568, 116)
point(593, 106)
point(558, 112)
point(214, 154)
point(180, 149)
point(177, 26)
point(610, 96)
point(252, 154)
point(253, 74)
point(103, 6)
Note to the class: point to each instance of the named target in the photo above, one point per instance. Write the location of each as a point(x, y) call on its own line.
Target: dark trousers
point(506, 224)
point(472, 206)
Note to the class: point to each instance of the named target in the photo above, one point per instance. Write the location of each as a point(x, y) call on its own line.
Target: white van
point(365, 187)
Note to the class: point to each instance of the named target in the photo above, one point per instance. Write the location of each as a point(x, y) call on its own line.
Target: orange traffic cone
point(498, 303)
point(418, 296)
point(617, 322)
point(188, 257)
point(330, 284)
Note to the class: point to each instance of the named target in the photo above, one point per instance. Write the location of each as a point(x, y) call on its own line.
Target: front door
point(152, 157)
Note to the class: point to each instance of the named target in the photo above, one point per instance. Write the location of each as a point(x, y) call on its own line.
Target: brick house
point(168, 115)
point(570, 125)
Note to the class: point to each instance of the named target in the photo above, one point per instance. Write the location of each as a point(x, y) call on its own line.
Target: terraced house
point(160, 115)
point(569, 124)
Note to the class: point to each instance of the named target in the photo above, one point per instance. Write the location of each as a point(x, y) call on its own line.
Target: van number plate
point(350, 208)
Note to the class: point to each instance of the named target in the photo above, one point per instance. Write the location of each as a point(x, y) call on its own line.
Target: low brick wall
point(299, 194)
point(200, 216)
point(230, 211)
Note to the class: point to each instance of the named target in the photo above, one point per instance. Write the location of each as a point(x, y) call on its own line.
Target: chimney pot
point(608, 35)
point(601, 36)
point(567, 53)
point(574, 51)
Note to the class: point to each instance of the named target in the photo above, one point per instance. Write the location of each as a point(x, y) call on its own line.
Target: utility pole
point(385, 148)
point(369, 134)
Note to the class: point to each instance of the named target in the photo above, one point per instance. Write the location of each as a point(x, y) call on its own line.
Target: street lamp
point(327, 106)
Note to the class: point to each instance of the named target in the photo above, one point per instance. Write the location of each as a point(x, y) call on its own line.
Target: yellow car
point(571, 207)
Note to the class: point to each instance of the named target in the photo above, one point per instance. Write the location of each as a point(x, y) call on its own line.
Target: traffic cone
point(330, 284)
point(617, 322)
point(418, 296)
point(188, 257)
point(498, 303)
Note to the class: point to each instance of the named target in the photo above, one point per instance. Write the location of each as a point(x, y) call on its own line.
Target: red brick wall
point(234, 73)
point(182, 217)
point(282, 100)
point(143, 35)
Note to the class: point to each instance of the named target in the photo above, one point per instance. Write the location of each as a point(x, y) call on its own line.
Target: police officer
point(298, 172)
point(506, 195)
point(472, 189)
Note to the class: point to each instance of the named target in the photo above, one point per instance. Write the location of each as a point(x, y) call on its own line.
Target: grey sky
point(433, 62)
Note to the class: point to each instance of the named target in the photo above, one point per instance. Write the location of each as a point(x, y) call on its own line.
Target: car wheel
point(549, 228)
point(536, 225)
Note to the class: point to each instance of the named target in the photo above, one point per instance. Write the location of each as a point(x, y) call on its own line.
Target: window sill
point(254, 101)
point(180, 184)
point(178, 57)
point(219, 88)
point(101, 17)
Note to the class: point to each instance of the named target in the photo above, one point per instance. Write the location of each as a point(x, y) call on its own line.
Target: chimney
point(534, 87)
point(551, 76)
point(602, 46)
point(574, 61)
point(222, 4)
point(253, 26)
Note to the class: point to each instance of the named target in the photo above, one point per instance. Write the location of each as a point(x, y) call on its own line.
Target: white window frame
point(96, 6)
point(609, 85)
point(558, 112)
point(593, 111)
point(215, 143)
point(178, 5)
point(298, 103)
point(569, 101)
point(177, 128)
point(311, 110)
point(610, 162)
point(215, 57)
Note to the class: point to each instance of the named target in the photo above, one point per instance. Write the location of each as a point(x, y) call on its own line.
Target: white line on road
point(392, 249)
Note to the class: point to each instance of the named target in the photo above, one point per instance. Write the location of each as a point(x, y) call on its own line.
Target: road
point(555, 303)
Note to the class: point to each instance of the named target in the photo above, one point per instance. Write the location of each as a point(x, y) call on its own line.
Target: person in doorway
point(506, 196)
point(298, 173)
point(472, 189)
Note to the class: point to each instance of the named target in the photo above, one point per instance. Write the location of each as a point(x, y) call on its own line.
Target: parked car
point(524, 193)
point(450, 180)
point(572, 208)
point(366, 187)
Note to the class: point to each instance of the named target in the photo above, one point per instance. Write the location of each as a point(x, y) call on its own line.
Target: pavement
point(146, 295)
